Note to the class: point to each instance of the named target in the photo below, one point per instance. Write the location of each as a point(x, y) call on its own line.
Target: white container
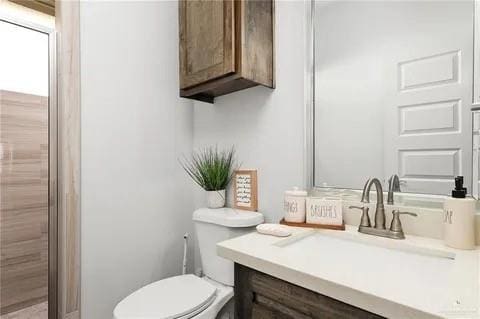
point(215, 199)
point(325, 211)
point(458, 221)
point(294, 205)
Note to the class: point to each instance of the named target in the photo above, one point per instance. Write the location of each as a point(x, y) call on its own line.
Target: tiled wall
point(23, 200)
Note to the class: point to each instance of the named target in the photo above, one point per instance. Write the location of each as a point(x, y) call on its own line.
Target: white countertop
point(412, 278)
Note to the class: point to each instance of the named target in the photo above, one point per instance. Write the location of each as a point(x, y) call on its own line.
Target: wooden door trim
point(44, 6)
point(67, 23)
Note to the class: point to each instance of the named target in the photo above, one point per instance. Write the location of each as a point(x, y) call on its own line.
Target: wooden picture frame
point(245, 190)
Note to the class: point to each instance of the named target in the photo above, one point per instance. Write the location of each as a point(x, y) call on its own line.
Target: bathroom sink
point(383, 265)
point(416, 277)
point(355, 247)
point(333, 243)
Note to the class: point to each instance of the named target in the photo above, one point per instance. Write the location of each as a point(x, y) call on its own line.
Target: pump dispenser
point(459, 191)
point(459, 210)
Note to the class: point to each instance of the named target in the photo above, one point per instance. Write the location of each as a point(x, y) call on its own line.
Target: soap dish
point(333, 227)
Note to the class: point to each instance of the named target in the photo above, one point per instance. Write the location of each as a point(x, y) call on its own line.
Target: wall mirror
point(394, 93)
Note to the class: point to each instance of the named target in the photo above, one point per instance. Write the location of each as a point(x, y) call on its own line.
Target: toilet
point(189, 296)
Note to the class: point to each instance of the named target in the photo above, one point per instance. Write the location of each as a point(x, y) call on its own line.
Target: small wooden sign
point(245, 190)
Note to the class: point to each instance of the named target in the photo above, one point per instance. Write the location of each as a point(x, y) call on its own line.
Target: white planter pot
point(216, 199)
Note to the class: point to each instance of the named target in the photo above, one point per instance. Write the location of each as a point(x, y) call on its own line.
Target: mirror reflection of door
point(24, 175)
point(393, 93)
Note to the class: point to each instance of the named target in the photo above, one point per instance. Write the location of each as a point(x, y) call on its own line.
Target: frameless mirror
point(393, 93)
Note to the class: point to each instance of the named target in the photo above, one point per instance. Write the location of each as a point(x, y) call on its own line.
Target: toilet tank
point(215, 225)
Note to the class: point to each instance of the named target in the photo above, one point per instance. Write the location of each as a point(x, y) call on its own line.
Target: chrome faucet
point(393, 186)
point(380, 209)
point(395, 231)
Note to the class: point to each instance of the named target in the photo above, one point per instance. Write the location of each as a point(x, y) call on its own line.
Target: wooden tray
point(334, 227)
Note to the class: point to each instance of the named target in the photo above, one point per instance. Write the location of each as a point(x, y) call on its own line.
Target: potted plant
point(212, 170)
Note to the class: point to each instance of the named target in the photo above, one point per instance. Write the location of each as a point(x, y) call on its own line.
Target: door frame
point(67, 26)
point(52, 158)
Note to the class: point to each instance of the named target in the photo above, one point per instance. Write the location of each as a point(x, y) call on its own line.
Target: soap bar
point(274, 230)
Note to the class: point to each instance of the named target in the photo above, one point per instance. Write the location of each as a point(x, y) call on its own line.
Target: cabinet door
point(261, 296)
point(206, 40)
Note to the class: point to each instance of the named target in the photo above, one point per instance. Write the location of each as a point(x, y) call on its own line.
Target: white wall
point(265, 125)
point(136, 200)
point(24, 53)
point(23, 60)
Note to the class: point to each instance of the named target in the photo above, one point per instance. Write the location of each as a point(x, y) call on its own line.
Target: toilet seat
point(179, 297)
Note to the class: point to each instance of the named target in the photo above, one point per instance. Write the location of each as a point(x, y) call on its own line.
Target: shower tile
point(39, 311)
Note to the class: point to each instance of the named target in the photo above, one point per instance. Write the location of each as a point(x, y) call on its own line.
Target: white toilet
point(189, 296)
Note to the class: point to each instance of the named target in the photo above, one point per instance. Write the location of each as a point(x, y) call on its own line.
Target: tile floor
point(39, 311)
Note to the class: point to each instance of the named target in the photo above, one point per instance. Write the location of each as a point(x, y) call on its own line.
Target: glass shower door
point(24, 172)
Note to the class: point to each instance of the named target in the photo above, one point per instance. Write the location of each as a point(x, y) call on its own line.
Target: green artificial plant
point(210, 168)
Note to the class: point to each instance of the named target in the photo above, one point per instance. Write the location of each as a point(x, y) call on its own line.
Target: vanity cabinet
point(260, 296)
point(225, 46)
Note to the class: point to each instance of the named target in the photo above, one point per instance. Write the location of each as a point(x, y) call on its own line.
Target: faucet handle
point(365, 219)
point(396, 225)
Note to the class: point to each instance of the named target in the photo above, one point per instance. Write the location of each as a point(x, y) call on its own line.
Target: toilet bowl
point(185, 296)
point(189, 296)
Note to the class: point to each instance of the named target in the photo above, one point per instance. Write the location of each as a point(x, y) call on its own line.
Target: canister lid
point(296, 192)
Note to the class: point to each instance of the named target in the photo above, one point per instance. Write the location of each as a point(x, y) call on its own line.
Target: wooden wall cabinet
point(225, 46)
point(260, 296)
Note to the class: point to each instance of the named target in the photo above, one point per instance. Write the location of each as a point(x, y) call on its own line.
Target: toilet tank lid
point(228, 217)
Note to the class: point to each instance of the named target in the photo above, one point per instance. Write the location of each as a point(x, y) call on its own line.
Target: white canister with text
point(325, 211)
point(294, 205)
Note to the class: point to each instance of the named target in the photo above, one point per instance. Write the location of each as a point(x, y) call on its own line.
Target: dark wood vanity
point(260, 296)
point(225, 46)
